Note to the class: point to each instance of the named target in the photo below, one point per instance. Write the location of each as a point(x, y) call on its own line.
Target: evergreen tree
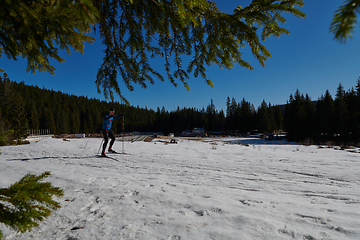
point(298, 117)
point(228, 109)
point(357, 87)
point(210, 121)
point(20, 122)
point(234, 115)
point(66, 121)
point(272, 123)
point(353, 112)
point(263, 116)
point(326, 115)
point(309, 110)
point(340, 112)
point(7, 100)
point(240, 116)
point(221, 121)
point(279, 119)
point(13, 108)
point(229, 114)
point(353, 103)
point(245, 116)
point(48, 119)
point(33, 116)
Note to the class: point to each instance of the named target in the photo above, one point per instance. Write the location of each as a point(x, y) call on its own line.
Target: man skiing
point(107, 132)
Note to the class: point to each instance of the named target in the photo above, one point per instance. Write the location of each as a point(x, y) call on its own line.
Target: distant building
point(186, 132)
point(198, 131)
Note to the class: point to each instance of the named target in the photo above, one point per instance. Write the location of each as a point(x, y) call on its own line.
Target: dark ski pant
point(108, 133)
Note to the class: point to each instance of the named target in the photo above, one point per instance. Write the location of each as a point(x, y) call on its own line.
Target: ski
point(99, 156)
point(116, 153)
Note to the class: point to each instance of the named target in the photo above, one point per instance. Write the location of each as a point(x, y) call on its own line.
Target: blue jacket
point(108, 119)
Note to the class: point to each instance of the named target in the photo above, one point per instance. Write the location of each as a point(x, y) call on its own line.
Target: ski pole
point(100, 146)
point(123, 118)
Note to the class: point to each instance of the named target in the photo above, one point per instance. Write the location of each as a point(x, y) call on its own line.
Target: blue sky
point(308, 59)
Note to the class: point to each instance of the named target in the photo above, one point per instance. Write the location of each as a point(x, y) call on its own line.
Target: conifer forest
point(24, 107)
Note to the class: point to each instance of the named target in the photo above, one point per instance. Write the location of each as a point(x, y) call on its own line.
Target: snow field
point(211, 189)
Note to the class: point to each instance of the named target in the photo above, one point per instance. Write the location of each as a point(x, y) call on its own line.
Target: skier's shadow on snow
point(43, 158)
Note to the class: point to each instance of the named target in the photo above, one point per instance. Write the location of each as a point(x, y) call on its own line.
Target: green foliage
point(345, 19)
point(4, 136)
point(36, 30)
point(27, 202)
point(132, 31)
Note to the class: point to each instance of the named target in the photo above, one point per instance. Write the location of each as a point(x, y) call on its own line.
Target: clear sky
point(308, 59)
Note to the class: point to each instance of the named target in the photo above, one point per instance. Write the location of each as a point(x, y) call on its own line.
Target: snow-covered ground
point(231, 188)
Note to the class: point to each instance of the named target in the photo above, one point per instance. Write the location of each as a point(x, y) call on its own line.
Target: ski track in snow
point(213, 189)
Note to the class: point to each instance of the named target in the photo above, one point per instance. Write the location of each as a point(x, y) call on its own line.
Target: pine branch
point(27, 202)
point(345, 19)
point(32, 28)
point(176, 29)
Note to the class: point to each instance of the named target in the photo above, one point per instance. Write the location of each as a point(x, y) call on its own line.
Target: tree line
point(24, 107)
point(327, 119)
